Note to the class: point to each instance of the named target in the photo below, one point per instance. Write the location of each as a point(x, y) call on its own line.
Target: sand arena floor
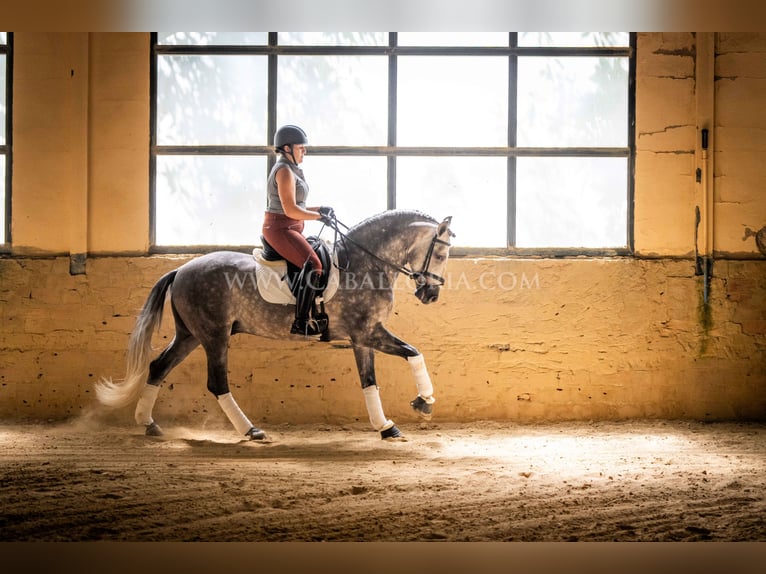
point(628, 481)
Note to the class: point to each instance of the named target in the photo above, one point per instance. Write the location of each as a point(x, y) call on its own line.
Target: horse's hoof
point(255, 434)
point(392, 434)
point(420, 406)
point(154, 430)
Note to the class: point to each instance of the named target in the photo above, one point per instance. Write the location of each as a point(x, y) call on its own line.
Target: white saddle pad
point(271, 278)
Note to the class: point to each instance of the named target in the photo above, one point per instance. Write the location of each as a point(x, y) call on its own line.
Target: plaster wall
point(511, 338)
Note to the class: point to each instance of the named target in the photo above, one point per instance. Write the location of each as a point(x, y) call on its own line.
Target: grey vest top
point(273, 203)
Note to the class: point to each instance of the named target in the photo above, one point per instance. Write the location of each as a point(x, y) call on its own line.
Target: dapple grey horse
point(208, 308)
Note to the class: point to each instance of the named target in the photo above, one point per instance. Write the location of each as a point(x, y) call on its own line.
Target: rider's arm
point(286, 188)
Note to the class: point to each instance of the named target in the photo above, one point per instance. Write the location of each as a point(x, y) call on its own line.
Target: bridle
point(420, 277)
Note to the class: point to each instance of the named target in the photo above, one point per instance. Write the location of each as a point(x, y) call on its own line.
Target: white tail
point(123, 393)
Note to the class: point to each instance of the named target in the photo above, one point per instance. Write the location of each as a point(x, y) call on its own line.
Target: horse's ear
point(444, 226)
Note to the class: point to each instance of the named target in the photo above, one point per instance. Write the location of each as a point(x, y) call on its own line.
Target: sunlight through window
point(523, 137)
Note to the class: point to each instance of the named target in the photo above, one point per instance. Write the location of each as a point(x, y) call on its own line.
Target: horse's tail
point(124, 392)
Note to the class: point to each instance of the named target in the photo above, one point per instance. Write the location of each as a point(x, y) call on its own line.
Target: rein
point(420, 277)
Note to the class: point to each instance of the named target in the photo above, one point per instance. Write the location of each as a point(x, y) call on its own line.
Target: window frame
point(6, 150)
point(391, 151)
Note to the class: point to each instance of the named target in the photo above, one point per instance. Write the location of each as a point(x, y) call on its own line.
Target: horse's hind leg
point(218, 384)
point(183, 344)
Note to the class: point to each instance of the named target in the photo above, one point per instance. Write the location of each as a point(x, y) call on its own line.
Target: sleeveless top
point(273, 203)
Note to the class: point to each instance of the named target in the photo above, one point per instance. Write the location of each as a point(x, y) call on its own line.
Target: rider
point(283, 224)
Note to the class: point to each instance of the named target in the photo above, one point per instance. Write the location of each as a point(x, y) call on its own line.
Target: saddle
point(278, 280)
point(293, 271)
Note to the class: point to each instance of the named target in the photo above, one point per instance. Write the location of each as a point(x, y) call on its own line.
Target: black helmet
point(290, 135)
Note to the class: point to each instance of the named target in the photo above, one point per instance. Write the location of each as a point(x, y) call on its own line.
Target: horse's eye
point(439, 257)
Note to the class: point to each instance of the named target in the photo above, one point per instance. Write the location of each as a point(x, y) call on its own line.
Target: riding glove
point(327, 214)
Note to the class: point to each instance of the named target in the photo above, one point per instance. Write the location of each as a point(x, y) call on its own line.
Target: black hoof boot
point(392, 434)
point(420, 406)
point(255, 434)
point(154, 429)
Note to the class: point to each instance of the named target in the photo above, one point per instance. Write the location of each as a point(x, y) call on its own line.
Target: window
point(5, 136)
point(525, 138)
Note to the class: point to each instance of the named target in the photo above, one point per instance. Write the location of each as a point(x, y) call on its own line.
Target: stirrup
point(307, 328)
point(322, 321)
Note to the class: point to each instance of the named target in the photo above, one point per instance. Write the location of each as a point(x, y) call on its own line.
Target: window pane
point(442, 101)
point(3, 236)
point(452, 101)
point(354, 186)
point(452, 38)
point(3, 127)
point(210, 200)
point(3, 37)
point(571, 202)
point(574, 39)
point(333, 38)
point(573, 102)
point(211, 100)
point(471, 189)
point(212, 38)
point(338, 100)
point(3, 71)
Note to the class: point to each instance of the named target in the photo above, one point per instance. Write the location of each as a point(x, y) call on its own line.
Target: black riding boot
point(304, 324)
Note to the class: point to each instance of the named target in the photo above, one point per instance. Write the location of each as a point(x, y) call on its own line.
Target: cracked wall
point(741, 135)
point(557, 339)
point(667, 144)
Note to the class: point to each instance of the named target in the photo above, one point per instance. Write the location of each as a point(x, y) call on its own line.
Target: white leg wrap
point(425, 388)
point(235, 414)
point(145, 404)
point(375, 409)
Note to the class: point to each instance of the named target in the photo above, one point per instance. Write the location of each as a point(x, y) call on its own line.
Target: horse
point(209, 308)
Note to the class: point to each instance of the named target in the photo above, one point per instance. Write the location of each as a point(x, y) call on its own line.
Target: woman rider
point(286, 211)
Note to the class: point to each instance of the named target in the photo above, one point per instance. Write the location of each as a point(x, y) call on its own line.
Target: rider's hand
point(326, 215)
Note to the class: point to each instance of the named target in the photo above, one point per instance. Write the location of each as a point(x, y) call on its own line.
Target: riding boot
point(304, 301)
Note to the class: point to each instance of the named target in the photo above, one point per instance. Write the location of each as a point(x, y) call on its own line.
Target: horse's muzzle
point(428, 293)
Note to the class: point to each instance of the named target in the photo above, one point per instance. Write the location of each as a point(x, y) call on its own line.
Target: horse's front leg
point(365, 363)
point(422, 404)
point(384, 341)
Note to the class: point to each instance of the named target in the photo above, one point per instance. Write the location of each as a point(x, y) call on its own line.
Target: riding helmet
point(290, 135)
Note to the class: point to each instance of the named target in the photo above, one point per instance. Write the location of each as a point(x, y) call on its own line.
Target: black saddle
point(293, 271)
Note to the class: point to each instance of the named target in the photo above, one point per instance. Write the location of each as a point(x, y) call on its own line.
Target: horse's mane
point(406, 215)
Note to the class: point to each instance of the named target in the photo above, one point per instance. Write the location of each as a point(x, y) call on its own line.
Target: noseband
point(421, 277)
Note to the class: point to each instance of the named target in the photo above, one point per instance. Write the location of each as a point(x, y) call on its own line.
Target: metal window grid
point(391, 151)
